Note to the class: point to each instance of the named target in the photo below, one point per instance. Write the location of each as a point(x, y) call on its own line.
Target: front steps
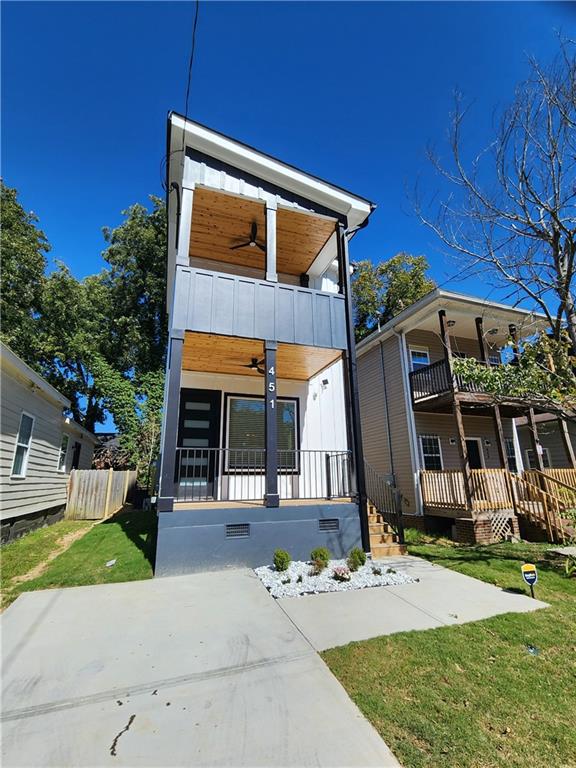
point(383, 540)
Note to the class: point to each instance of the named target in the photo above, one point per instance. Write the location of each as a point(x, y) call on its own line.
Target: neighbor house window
point(431, 453)
point(419, 358)
point(531, 459)
point(23, 441)
point(63, 453)
point(246, 438)
point(511, 454)
point(77, 447)
point(494, 358)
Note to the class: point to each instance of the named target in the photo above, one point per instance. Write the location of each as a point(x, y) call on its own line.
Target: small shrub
point(286, 581)
point(570, 567)
point(281, 560)
point(377, 571)
point(341, 573)
point(390, 570)
point(356, 559)
point(317, 567)
point(300, 579)
point(320, 554)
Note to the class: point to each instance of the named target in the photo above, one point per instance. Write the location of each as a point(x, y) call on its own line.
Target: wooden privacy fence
point(94, 494)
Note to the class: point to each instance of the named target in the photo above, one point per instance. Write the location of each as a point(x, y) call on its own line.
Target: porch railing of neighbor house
point(232, 474)
point(437, 379)
point(385, 498)
point(495, 490)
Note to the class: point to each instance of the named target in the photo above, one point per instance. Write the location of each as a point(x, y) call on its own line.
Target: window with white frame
point(246, 435)
point(419, 358)
point(23, 442)
point(531, 459)
point(431, 452)
point(511, 454)
point(63, 453)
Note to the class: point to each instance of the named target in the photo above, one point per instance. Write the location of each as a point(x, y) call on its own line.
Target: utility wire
point(189, 81)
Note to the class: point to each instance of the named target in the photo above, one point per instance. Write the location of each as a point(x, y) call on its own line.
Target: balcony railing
point(438, 379)
point(231, 474)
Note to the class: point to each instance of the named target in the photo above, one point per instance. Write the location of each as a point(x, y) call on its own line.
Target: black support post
point(171, 413)
point(272, 498)
point(351, 374)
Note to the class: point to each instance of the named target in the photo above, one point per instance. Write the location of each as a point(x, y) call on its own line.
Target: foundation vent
point(238, 531)
point(331, 524)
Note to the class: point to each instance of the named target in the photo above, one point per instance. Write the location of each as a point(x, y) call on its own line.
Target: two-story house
point(261, 445)
point(443, 442)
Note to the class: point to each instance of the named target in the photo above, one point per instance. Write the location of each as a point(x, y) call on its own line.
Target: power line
point(189, 81)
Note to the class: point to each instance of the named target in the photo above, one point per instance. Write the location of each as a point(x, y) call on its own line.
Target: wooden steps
point(383, 540)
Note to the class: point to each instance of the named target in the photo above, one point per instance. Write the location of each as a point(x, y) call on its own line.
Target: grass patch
point(129, 538)
point(473, 696)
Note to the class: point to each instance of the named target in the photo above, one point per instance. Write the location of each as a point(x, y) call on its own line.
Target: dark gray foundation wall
point(14, 527)
point(212, 539)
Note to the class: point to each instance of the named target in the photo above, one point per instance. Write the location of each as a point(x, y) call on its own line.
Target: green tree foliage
point(381, 291)
point(542, 376)
point(100, 341)
point(24, 248)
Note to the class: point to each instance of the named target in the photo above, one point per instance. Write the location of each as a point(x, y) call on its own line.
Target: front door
point(473, 448)
point(198, 439)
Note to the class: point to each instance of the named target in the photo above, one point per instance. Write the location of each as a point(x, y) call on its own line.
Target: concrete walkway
point(441, 597)
point(203, 670)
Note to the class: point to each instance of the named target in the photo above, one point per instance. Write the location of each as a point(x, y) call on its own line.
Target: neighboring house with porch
point(444, 443)
point(39, 448)
point(261, 446)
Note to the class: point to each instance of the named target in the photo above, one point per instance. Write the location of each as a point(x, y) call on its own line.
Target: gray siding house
point(39, 447)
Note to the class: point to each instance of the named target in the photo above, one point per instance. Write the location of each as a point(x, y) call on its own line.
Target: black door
point(474, 457)
point(198, 439)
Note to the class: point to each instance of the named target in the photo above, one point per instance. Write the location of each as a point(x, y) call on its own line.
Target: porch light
point(451, 323)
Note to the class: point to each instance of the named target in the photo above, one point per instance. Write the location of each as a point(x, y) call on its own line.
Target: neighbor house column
point(536, 448)
point(567, 440)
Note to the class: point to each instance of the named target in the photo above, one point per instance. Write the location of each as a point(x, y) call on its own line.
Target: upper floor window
point(431, 453)
point(419, 357)
point(63, 453)
point(23, 441)
point(531, 459)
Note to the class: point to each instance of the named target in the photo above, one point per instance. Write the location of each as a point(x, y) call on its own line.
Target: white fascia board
point(11, 362)
point(262, 166)
point(71, 426)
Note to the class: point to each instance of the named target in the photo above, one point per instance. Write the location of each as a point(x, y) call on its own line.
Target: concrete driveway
point(202, 670)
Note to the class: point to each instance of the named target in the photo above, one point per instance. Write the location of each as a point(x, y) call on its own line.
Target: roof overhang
point(463, 309)
point(188, 133)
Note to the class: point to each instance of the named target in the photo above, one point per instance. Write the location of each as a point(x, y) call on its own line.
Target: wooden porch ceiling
point(209, 353)
point(221, 220)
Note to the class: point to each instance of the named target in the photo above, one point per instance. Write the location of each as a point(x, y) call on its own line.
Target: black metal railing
point(386, 498)
point(238, 474)
point(437, 379)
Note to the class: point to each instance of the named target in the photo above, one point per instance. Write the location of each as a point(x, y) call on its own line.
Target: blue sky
point(352, 92)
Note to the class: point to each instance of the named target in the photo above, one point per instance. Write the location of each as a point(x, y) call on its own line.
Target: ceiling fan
point(255, 365)
point(252, 243)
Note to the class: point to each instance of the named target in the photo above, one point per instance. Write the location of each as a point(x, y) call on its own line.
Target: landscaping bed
point(287, 578)
point(298, 579)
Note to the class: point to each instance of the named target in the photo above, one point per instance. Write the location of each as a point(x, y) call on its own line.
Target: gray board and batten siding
point(231, 305)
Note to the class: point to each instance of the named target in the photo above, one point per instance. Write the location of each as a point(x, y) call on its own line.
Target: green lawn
point(129, 538)
point(473, 696)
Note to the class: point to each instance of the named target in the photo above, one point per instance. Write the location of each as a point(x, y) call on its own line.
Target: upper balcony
point(431, 385)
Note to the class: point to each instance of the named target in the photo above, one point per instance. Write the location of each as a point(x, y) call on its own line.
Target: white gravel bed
point(286, 583)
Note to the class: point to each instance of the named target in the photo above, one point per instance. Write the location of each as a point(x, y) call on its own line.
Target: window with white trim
point(246, 436)
point(63, 453)
point(431, 452)
point(531, 459)
point(23, 442)
point(511, 454)
point(419, 358)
